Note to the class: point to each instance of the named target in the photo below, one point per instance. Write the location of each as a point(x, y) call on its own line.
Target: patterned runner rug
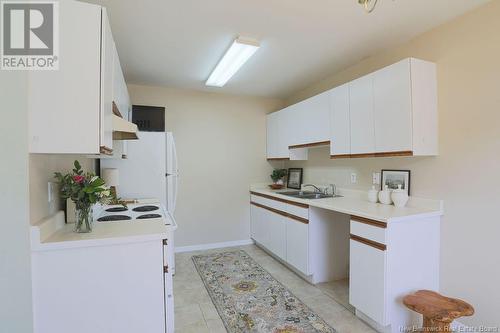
point(249, 299)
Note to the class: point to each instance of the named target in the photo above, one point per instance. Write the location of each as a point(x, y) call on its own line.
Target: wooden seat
point(438, 311)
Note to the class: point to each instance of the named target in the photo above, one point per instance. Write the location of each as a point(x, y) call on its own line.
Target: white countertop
point(53, 233)
point(354, 203)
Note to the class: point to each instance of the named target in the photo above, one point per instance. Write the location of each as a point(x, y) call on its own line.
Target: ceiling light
point(369, 5)
point(240, 51)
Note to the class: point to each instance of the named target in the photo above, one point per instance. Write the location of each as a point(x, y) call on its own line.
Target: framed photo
point(294, 178)
point(393, 178)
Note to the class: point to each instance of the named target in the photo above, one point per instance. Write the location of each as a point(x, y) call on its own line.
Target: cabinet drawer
point(368, 231)
point(268, 202)
point(297, 211)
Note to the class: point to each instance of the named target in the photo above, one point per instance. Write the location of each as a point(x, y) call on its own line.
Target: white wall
point(221, 145)
point(466, 172)
point(15, 263)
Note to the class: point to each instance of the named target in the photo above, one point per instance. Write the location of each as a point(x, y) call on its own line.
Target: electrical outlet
point(376, 178)
point(354, 178)
point(50, 191)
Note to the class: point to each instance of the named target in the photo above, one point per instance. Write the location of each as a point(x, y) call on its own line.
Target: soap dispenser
point(373, 195)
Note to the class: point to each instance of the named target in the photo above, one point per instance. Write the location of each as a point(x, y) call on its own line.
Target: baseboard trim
point(210, 246)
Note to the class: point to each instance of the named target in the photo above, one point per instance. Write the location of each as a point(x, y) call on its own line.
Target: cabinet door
point(64, 104)
point(255, 223)
point(392, 108)
point(297, 245)
point(106, 83)
point(272, 131)
point(340, 134)
point(120, 91)
point(317, 118)
point(361, 113)
point(367, 280)
point(275, 230)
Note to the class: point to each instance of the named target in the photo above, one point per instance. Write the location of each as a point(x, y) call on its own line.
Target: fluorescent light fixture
point(240, 51)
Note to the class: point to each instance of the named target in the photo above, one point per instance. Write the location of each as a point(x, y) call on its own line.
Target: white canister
point(373, 195)
point(385, 196)
point(400, 197)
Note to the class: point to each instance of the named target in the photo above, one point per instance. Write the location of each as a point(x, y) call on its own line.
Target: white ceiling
point(178, 43)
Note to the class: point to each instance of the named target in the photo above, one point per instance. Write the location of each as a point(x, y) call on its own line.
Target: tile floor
point(194, 311)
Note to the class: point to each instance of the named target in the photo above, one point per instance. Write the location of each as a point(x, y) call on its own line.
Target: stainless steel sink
point(308, 195)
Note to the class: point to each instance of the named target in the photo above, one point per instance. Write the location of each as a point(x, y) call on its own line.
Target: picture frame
point(294, 179)
point(392, 178)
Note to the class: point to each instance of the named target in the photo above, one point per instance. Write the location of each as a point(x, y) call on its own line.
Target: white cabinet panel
point(367, 281)
point(361, 113)
point(275, 230)
point(272, 135)
point(64, 104)
point(107, 51)
point(297, 245)
point(340, 133)
point(392, 108)
point(120, 91)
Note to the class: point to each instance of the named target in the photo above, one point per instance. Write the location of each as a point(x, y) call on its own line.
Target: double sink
point(309, 195)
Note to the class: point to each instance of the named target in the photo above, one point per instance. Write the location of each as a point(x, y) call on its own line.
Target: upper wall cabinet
point(71, 109)
point(340, 130)
point(391, 112)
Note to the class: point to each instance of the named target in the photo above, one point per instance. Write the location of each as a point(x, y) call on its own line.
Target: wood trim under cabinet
point(278, 158)
point(279, 212)
point(312, 144)
point(382, 154)
point(105, 150)
point(364, 220)
point(116, 111)
point(368, 242)
point(298, 204)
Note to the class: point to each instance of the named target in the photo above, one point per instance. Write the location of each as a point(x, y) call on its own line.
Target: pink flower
point(79, 179)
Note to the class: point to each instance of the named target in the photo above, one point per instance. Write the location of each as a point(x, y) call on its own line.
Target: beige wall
point(466, 173)
point(221, 146)
point(41, 171)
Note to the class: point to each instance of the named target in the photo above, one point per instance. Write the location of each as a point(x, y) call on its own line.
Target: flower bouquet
point(85, 190)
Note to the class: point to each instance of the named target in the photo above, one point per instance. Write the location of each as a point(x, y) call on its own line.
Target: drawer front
point(370, 232)
point(297, 211)
point(268, 202)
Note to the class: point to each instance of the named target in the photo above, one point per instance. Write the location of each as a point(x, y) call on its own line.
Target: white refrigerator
point(150, 169)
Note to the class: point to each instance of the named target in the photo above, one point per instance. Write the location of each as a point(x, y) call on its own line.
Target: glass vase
point(84, 219)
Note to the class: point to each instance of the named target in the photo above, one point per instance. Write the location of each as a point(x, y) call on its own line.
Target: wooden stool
point(438, 311)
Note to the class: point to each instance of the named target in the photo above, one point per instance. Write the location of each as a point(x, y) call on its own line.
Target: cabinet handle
point(368, 242)
point(165, 269)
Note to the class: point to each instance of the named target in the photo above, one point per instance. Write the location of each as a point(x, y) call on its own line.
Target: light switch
point(354, 178)
point(376, 178)
point(51, 189)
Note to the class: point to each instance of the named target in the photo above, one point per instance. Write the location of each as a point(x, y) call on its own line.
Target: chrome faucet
point(333, 189)
point(317, 189)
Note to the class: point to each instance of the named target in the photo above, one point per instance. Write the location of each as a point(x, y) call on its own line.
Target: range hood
point(123, 130)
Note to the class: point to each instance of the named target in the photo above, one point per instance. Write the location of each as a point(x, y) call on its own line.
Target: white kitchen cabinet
point(340, 133)
point(64, 105)
point(367, 280)
point(120, 92)
point(392, 108)
point(310, 120)
point(297, 245)
point(70, 110)
point(272, 135)
point(107, 56)
point(361, 115)
point(257, 227)
point(275, 227)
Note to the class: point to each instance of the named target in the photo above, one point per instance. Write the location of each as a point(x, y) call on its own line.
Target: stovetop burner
point(114, 218)
point(148, 216)
point(117, 209)
point(148, 208)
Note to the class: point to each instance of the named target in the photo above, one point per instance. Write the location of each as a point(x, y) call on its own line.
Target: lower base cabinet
point(297, 245)
point(367, 280)
point(285, 237)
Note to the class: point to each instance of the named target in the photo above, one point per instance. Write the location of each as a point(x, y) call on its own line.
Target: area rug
point(249, 299)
